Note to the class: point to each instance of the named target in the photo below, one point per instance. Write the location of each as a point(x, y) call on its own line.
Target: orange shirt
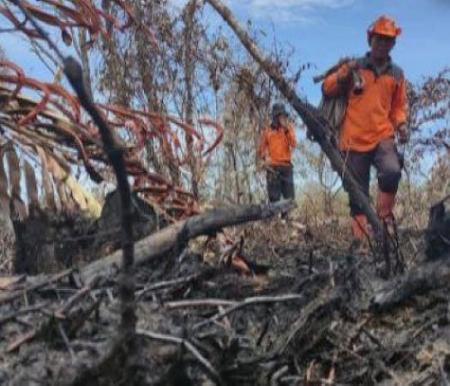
point(374, 114)
point(277, 145)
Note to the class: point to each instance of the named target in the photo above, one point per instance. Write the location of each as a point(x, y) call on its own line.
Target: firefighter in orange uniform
point(374, 116)
point(276, 146)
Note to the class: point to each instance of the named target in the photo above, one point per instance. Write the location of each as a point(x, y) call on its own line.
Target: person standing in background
point(276, 147)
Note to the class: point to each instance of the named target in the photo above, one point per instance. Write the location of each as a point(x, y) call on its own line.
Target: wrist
point(343, 74)
point(402, 128)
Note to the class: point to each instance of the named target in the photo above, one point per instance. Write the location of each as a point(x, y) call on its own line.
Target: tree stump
point(438, 231)
point(51, 242)
point(108, 226)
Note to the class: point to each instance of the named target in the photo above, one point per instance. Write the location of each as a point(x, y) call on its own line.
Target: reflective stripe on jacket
point(376, 112)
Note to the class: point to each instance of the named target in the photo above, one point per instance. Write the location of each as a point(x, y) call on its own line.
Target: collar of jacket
point(365, 63)
point(275, 127)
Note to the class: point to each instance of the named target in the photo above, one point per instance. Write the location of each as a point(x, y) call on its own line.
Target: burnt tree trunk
point(438, 231)
point(49, 243)
point(189, 72)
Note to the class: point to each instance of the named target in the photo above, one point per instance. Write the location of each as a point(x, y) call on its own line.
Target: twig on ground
point(21, 339)
point(60, 312)
point(274, 380)
point(199, 303)
point(66, 340)
point(165, 284)
point(248, 302)
point(22, 311)
point(211, 371)
point(41, 282)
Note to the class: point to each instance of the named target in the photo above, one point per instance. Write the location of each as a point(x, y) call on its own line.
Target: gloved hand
point(345, 72)
point(403, 133)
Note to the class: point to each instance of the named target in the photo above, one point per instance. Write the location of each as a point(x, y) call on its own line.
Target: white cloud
point(305, 4)
point(282, 15)
point(292, 10)
point(301, 11)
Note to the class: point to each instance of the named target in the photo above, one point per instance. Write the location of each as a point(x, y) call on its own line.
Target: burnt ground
point(314, 318)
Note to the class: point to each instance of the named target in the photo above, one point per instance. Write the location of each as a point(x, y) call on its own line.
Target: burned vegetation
point(133, 250)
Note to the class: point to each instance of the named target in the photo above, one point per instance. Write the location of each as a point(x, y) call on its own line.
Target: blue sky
point(321, 31)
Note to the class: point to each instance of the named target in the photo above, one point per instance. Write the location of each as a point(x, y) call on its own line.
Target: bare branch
point(248, 302)
point(74, 73)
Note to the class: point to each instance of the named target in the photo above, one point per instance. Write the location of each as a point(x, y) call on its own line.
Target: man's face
point(381, 46)
point(282, 119)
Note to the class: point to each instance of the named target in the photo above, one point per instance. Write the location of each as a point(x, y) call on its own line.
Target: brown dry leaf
point(14, 171)
point(49, 197)
point(74, 194)
point(31, 185)
point(66, 201)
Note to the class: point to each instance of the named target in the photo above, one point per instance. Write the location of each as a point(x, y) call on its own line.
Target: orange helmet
point(384, 25)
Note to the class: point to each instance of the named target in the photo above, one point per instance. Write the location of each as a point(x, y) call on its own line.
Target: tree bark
point(84, 56)
point(438, 231)
point(189, 67)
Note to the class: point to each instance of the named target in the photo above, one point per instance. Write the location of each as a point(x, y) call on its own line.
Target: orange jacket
point(277, 145)
point(374, 114)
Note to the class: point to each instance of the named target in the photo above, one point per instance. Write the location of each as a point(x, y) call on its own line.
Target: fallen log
point(420, 280)
point(159, 243)
point(177, 235)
